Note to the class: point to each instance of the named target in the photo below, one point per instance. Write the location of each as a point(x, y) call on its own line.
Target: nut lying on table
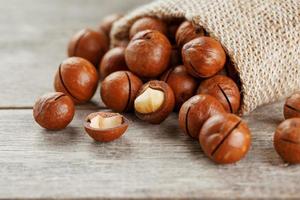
point(225, 138)
point(54, 111)
point(105, 126)
point(287, 140)
point(292, 106)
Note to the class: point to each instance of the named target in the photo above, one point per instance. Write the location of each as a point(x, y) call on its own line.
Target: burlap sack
point(262, 38)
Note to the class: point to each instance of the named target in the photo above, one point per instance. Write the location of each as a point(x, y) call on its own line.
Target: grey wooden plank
point(34, 37)
point(148, 162)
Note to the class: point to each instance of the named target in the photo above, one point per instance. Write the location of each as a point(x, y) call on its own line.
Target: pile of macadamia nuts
point(166, 66)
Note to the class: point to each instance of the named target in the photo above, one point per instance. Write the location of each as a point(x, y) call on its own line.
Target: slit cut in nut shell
point(292, 106)
point(225, 138)
point(105, 126)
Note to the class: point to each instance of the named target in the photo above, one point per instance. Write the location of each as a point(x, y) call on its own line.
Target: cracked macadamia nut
point(119, 89)
point(223, 89)
point(112, 61)
point(148, 54)
point(105, 126)
point(108, 21)
point(195, 111)
point(88, 44)
point(183, 85)
point(154, 102)
point(147, 23)
point(292, 106)
point(186, 32)
point(77, 78)
point(287, 140)
point(203, 57)
point(53, 111)
point(225, 138)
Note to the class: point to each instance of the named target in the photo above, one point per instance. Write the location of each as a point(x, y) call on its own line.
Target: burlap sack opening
point(262, 38)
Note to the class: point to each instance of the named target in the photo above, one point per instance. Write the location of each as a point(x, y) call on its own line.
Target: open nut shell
point(105, 135)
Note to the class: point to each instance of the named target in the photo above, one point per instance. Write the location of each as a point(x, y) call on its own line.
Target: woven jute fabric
point(262, 38)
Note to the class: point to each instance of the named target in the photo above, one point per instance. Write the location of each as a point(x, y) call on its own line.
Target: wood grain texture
point(147, 162)
point(34, 38)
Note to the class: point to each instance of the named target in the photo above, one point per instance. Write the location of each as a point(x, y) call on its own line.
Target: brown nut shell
point(195, 111)
point(203, 57)
point(223, 89)
point(292, 106)
point(105, 135)
point(148, 54)
point(119, 89)
point(186, 32)
point(225, 138)
point(112, 61)
point(77, 78)
point(183, 85)
point(107, 22)
point(54, 111)
point(88, 44)
point(287, 140)
point(165, 109)
point(147, 23)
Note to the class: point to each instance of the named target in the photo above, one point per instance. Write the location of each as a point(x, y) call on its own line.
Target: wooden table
point(148, 162)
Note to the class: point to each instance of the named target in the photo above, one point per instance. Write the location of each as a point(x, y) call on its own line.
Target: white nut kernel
point(149, 101)
point(100, 122)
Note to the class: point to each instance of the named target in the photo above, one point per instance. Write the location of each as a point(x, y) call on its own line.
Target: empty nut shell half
point(154, 102)
point(111, 126)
